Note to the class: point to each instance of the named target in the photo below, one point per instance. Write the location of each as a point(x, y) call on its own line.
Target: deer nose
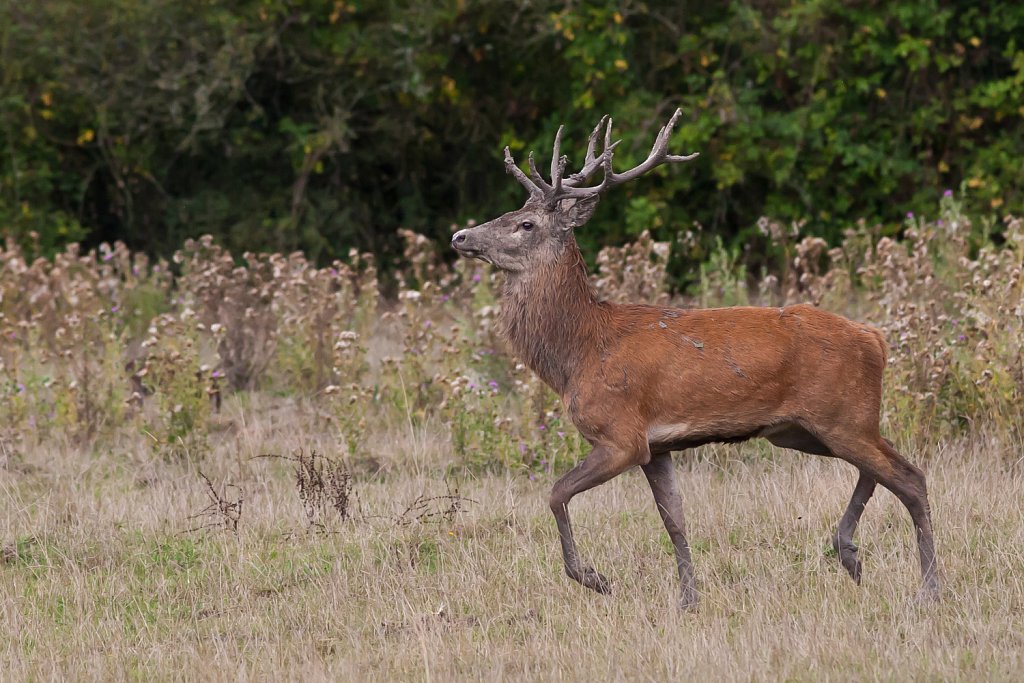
point(458, 238)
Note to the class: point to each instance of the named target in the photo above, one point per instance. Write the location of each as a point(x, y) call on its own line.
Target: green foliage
point(180, 424)
point(723, 278)
point(323, 124)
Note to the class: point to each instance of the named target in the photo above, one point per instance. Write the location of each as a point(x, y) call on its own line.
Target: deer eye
point(526, 225)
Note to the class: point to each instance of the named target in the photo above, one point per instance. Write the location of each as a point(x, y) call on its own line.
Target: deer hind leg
point(908, 483)
point(661, 476)
point(880, 462)
point(796, 437)
point(602, 464)
point(842, 541)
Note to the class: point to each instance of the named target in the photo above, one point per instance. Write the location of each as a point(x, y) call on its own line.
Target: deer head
point(537, 233)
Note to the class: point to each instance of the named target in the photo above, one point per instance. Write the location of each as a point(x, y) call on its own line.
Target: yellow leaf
point(47, 114)
point(943, 167)
point(46, 98)
point(86, 136)
point(617, 17)
point(449, 87)
point(996, 203)
point(621, 64)
point(975, 41)
point(975, 182)
point(881, 93)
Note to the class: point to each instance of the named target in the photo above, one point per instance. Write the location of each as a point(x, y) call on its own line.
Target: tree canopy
point(324, 125)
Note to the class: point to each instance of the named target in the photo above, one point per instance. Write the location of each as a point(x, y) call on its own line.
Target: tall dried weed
point(90, 342)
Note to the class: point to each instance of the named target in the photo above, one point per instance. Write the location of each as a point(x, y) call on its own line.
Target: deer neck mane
point(548, 312)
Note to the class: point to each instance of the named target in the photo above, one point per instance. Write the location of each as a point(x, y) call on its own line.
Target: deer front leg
point(603, 463)
point(661, 475)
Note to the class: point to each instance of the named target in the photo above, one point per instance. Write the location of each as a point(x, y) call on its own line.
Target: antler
point(561, 187)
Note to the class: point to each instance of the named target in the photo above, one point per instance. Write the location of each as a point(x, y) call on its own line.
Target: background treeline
point(322, 125)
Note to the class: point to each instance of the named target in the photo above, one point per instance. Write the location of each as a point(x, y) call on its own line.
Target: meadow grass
point(102, 578)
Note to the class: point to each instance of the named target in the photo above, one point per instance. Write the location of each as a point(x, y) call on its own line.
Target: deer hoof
point(591, 579)
point(928, 595)
point(849, 558)
point(853, 566)
point(689, 601)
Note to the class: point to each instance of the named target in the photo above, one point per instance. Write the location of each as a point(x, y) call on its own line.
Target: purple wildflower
point(541, 428)
point(472, 386)
point(445, 297)
point(21, 388)
point(493, 385)
point(522, 448)
point(109, 255)
point(217, 374)
point(910, 214)
point(561, 435)
point(947, 193)
point(476, 277)
point(115, 309)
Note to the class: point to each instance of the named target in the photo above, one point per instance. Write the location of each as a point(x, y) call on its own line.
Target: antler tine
point(658, 154)
point(604, 162)
point(558, 174)
point(513, 168)
point(592, 140)
point(558, 163)
point(556, 153)
point(592, 163)
point(535, 175)
point(661, 142)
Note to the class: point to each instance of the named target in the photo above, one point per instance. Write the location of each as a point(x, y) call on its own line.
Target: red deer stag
point(641, 381)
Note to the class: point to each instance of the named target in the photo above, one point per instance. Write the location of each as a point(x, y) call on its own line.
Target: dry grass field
point(102, 580)
point(258, 469)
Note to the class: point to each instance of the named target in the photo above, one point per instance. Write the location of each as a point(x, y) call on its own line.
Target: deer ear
point(577, 211)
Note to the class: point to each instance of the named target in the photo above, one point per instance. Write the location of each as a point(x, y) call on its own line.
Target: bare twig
point(221, 513)
point(323, 484)
point(425, 508)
